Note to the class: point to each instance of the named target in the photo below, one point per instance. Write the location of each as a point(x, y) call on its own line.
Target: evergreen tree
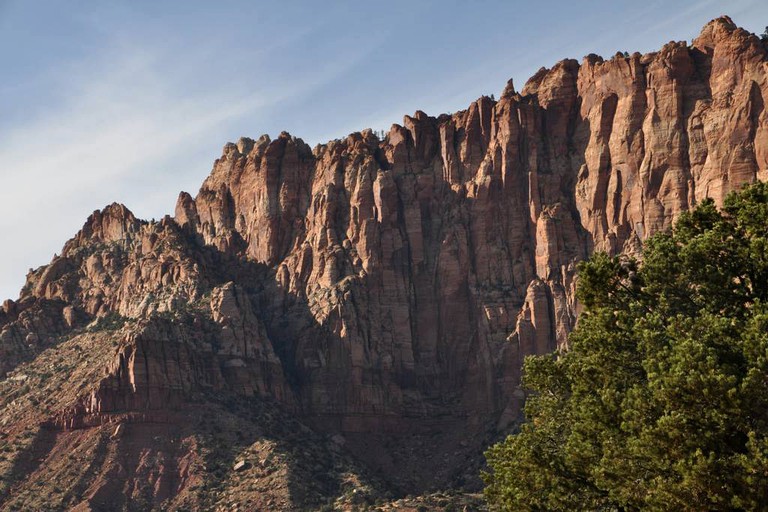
point(661, 403)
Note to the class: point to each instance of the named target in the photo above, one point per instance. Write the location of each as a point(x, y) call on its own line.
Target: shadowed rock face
point(387, 290)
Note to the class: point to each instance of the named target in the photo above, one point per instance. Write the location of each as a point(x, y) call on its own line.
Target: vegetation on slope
point(661, 402)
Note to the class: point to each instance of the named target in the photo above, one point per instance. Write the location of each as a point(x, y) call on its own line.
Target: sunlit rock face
point(434, 260)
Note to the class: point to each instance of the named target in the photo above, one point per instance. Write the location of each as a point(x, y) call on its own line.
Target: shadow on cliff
point(266, 440)
point(433, 418)
point(419, 438)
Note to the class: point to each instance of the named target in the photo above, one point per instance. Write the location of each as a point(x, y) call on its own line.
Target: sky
point(132, 101)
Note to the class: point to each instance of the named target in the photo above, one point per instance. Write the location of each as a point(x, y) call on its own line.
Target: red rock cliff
point(395, 285)
point(437, 258)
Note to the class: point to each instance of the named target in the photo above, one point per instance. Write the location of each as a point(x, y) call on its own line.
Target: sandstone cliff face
point(393, 287)
point(437, 258)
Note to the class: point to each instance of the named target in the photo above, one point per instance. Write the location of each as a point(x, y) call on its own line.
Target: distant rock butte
point(380, 289)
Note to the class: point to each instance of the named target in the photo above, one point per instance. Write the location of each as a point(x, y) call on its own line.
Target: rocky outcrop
point(164, 362)
point(392, 287)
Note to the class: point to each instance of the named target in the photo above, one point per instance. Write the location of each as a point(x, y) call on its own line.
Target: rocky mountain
point(344, 325)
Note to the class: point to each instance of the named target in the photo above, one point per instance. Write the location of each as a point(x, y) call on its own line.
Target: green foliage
point(661, 403)
point(111, 322)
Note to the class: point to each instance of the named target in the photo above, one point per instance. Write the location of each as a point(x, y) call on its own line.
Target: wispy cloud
point(130, 119)
point(119, 117)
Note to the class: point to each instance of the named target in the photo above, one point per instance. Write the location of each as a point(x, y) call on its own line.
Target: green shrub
point(661, 402)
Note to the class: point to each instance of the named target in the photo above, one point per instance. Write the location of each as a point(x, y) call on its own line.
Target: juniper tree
point(661, 403)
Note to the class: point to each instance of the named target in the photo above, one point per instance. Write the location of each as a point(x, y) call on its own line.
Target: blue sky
point(132, 101)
